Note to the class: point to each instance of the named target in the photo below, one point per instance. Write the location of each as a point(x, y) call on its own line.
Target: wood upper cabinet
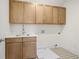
point(13, 48)
point(16, 12)
point(29, 13)
point(39, 14)
point(62, 15)
point(48, 14)
point(21, 48)
point(55, 15)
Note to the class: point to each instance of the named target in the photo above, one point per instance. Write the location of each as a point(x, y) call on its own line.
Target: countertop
point(14, 36)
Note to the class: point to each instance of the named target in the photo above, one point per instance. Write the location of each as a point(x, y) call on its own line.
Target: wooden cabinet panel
point(48, 13)
point(16, 12)
point(55, 15)
point(39, 14)
point(13, 40)
point(29, 48)
point(13, 48)
point(31, 39)
point(62, 15)
point(21, 48)
point(14, 51)
point(29, 13)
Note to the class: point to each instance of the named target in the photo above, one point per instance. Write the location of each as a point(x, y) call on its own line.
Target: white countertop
point(14, 36)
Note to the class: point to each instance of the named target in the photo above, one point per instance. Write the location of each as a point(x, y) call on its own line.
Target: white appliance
point(46, 54)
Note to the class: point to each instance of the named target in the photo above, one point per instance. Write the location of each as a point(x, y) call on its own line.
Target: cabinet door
point(48, 14)
point(62, 15)
point(55, 15)
point(29, 48)
point(14, 51)
point(39, 14)
point(13, 48)
point(29, 13)
point(16, 12)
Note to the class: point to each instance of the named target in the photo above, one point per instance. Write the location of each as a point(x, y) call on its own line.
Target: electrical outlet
point(42, 31)
point(56, 45)
point(59, 33)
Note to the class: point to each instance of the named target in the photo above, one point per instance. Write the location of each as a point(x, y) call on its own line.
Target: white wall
point(70, 35)
point(16, 29)
point(4, 17)
point(47, 39)
point(4, 24)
